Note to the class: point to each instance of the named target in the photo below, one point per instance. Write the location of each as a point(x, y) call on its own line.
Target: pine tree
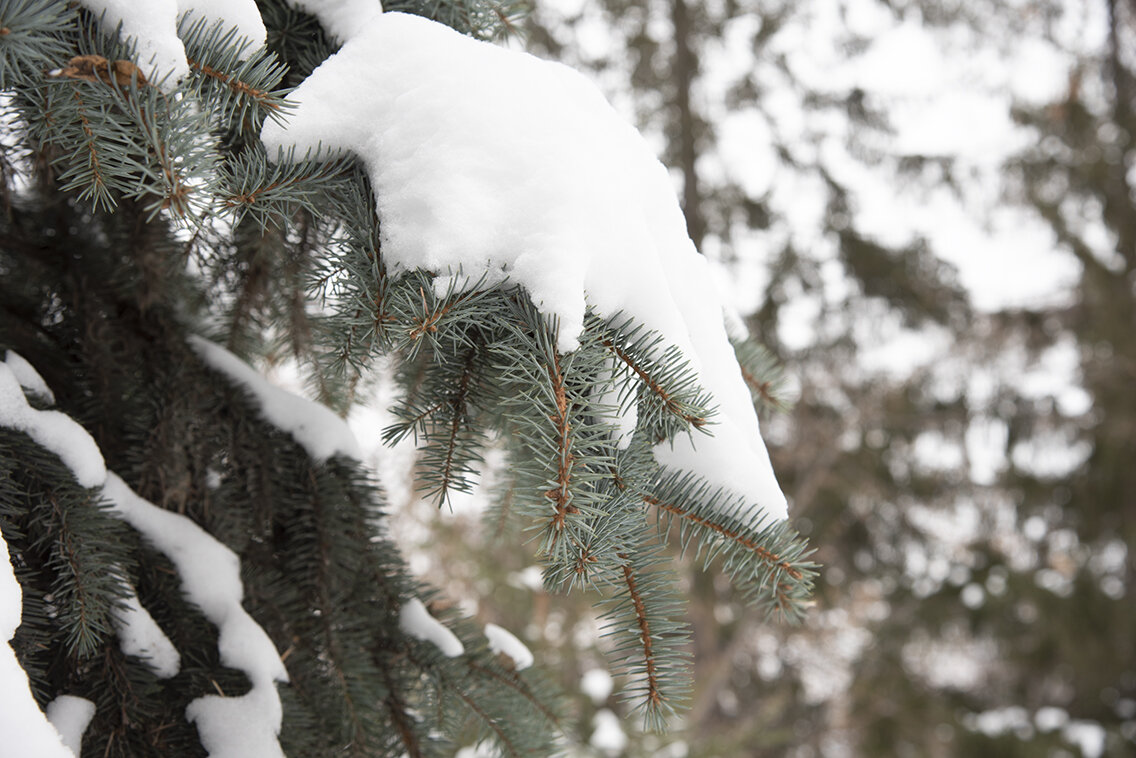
point(201, 558)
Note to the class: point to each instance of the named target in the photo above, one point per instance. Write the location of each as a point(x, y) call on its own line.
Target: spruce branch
point(768, 562)
point(642, 618)
point(668, 399)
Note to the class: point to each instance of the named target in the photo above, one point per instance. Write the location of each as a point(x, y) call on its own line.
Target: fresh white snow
point(503, 641)
point(140, 636)
point(342, 18)
point(27, 376)
point(416, 621)
point(53, 430)
point(492, 163)
point(23, 726)
point(314, 426)
point(230, 727)
point(597, 685)
point(608, 736)
point(152, 25)
point(70, 715)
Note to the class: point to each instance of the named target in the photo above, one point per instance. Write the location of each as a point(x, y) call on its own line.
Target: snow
point(342, 18)
point(492, 163)
point(505, 642)
point(315, 427)
point(152, 25)
point(596, 684)
point(416, 621)
point(607, 735)
point(27, 376)
point(51, 429)
point(229, 727)
point(243, 15)
point(140, 636)
point(70, 715)
point(23, 726)
point(1089, 736)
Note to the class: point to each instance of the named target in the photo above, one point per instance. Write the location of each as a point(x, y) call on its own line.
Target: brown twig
point(767, 556)
point(668, 401)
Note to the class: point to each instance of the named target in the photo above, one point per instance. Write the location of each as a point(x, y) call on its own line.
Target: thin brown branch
point(654, 696)
point(260, 96)
point(458, 401)
point(501, 736)
point(560, 495)
point(401, 720)
point(514, 682)
point(669, 402)
point(430, 322)
point(761, 388)
point(767, 556)
point(94, 155)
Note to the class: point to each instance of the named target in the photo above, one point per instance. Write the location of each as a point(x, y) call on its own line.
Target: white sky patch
point(484, 161)
point(27, 376)
point(23, 726)
point(236, 727)
point(505, 642)
point(70, 716)
point(316, 427)
point(51, 429)
point(152, 25)
point(416, 621)
point(140, 636)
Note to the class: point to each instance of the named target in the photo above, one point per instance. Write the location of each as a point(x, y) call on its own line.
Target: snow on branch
point(24, 727)
point(416, 621)
point(70, 716)
point(53, 430)
point(27, 376)
point(342, 18)
point(314, 426)
point(246, 726)
point(494, 165)
point(140, 636)
point(153, 27)
point(504, 642)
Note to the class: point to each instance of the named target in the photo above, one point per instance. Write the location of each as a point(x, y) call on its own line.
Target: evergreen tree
point(201, 559)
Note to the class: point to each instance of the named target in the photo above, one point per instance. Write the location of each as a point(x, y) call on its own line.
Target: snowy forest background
point(926, 210)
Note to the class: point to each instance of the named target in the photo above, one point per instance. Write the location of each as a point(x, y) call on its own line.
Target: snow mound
point(492, 163)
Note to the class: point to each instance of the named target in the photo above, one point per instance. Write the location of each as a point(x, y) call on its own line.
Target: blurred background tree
point(925, 208)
